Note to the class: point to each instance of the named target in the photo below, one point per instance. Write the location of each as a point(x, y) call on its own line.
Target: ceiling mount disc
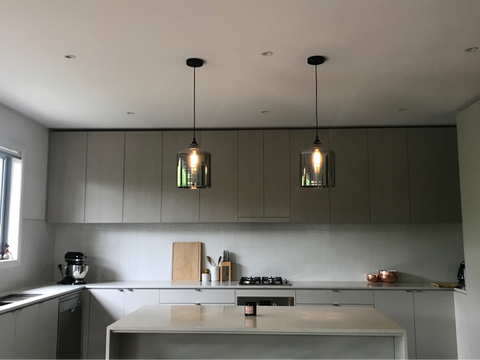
point(316, 60)
point(194, 62)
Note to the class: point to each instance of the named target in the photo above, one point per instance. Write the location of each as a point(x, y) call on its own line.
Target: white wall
point(295, 251)
point(468, 134)
point(37, 239)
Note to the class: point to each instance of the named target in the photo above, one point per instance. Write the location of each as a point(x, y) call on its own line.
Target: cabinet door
point(106, 307)
point(142, 195)
point(388, 176)
point(219, 203)
point(47, 329)
point(276, 174)
point(26, 333)
point(250, 174)
point(104, 187)
point(178, 205)
point(352, 297)
point(7, 335)
point(136, 298)
point(429, 174)
point(349, 199)
point(454, 175)
point(200, 296)
point(66, 177)
point(435, 325)
point(398, 306)
point(308, 205)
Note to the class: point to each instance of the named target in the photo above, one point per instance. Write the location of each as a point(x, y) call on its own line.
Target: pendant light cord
point(194, 141)
point(317, 141)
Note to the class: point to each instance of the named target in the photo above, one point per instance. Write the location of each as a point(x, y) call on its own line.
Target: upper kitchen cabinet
point(388, 176)
point(219, 203)
point(66, 177)
point(454, 172)
point(104, 180)
point(349, 198)
point(263, 176)
point(430, 174)
point(142, 194)
point(178, 205)
point(308, 205)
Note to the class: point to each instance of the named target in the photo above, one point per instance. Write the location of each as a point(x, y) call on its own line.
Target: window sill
point(9, 263)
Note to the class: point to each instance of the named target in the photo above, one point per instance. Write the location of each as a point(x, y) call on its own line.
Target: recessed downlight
point(267, 53)
point(70, 56)
point(471, 49)
point(130, 113)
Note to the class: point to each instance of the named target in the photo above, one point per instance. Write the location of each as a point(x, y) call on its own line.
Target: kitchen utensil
point(215, 273)
point(75, 270)
point(210, 261)
point(186, 261)
point(219, 260)
point(388, 276)
point(226, 255)
point(371, 278)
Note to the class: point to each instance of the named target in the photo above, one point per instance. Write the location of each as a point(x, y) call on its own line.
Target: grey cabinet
point(429, 175)
point(428, 317)
point(435, 334)
point(26, 333)
point(142, 193)
point(104, 180)
point(7, 335)
point(308, 205)
point(178, 205)
point(66, 177)
point(349, 199)
point(263, 175)
point(454, 175)
point(47, 329)
point(388, 176)
point(250, 174)
point(219, 203)
point(398, 306)
point(108, 306)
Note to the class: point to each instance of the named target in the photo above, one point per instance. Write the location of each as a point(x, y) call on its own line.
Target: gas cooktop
point(263, 280)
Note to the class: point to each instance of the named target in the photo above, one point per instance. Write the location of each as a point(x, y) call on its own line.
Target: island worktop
point(174, 331)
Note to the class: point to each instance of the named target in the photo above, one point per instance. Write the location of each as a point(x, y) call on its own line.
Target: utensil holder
point(226, 271)
point(215, 273)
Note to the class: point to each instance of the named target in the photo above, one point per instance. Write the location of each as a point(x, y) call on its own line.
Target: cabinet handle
point(121, 290)
point(336, 290)
point(336, 304)
point(130, 289)
point(198, 290)
point(198, 304)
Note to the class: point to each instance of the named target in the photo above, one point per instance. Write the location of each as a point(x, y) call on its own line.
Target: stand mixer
point(75, 270)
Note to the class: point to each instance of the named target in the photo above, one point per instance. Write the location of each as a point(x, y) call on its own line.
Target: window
point(10, 190)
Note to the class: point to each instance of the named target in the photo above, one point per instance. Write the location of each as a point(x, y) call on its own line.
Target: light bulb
point(194, 160)
point(317, 160)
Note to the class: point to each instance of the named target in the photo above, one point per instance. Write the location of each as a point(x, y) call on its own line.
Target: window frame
point(4, 198)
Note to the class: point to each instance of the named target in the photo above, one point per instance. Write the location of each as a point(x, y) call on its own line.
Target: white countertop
point(269, 320)
point(296, 285)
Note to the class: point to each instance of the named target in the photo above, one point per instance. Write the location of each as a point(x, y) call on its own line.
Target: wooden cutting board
point(186, 261)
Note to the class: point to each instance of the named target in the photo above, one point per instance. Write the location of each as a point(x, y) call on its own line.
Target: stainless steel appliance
point(75, 270)
point(69, 335)
point(263, 280)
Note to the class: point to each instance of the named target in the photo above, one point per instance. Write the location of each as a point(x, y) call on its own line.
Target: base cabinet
point(7, 335)
point(197, 296)
point(334, 297)
point(428, 317)
point(108, 306)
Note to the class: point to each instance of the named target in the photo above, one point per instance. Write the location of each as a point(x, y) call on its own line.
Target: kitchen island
point(176, 331)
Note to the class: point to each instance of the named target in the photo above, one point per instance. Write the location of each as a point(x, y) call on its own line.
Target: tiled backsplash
point(318, 252)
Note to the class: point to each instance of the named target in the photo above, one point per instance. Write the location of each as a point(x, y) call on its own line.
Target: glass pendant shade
point(193, 168)
point(317, 166)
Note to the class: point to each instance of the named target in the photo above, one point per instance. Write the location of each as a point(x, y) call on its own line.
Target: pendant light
point(193, 163)
point(317, 163)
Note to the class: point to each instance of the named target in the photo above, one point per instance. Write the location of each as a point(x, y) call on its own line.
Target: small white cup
point(205, 277)
point(215, 272)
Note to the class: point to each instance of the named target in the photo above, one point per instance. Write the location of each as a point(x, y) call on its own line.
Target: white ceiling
point(383, 55)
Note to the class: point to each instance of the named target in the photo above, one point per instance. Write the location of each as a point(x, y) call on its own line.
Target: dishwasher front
point(69, 336)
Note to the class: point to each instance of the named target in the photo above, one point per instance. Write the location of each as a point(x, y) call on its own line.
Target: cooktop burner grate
point(263, 280)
